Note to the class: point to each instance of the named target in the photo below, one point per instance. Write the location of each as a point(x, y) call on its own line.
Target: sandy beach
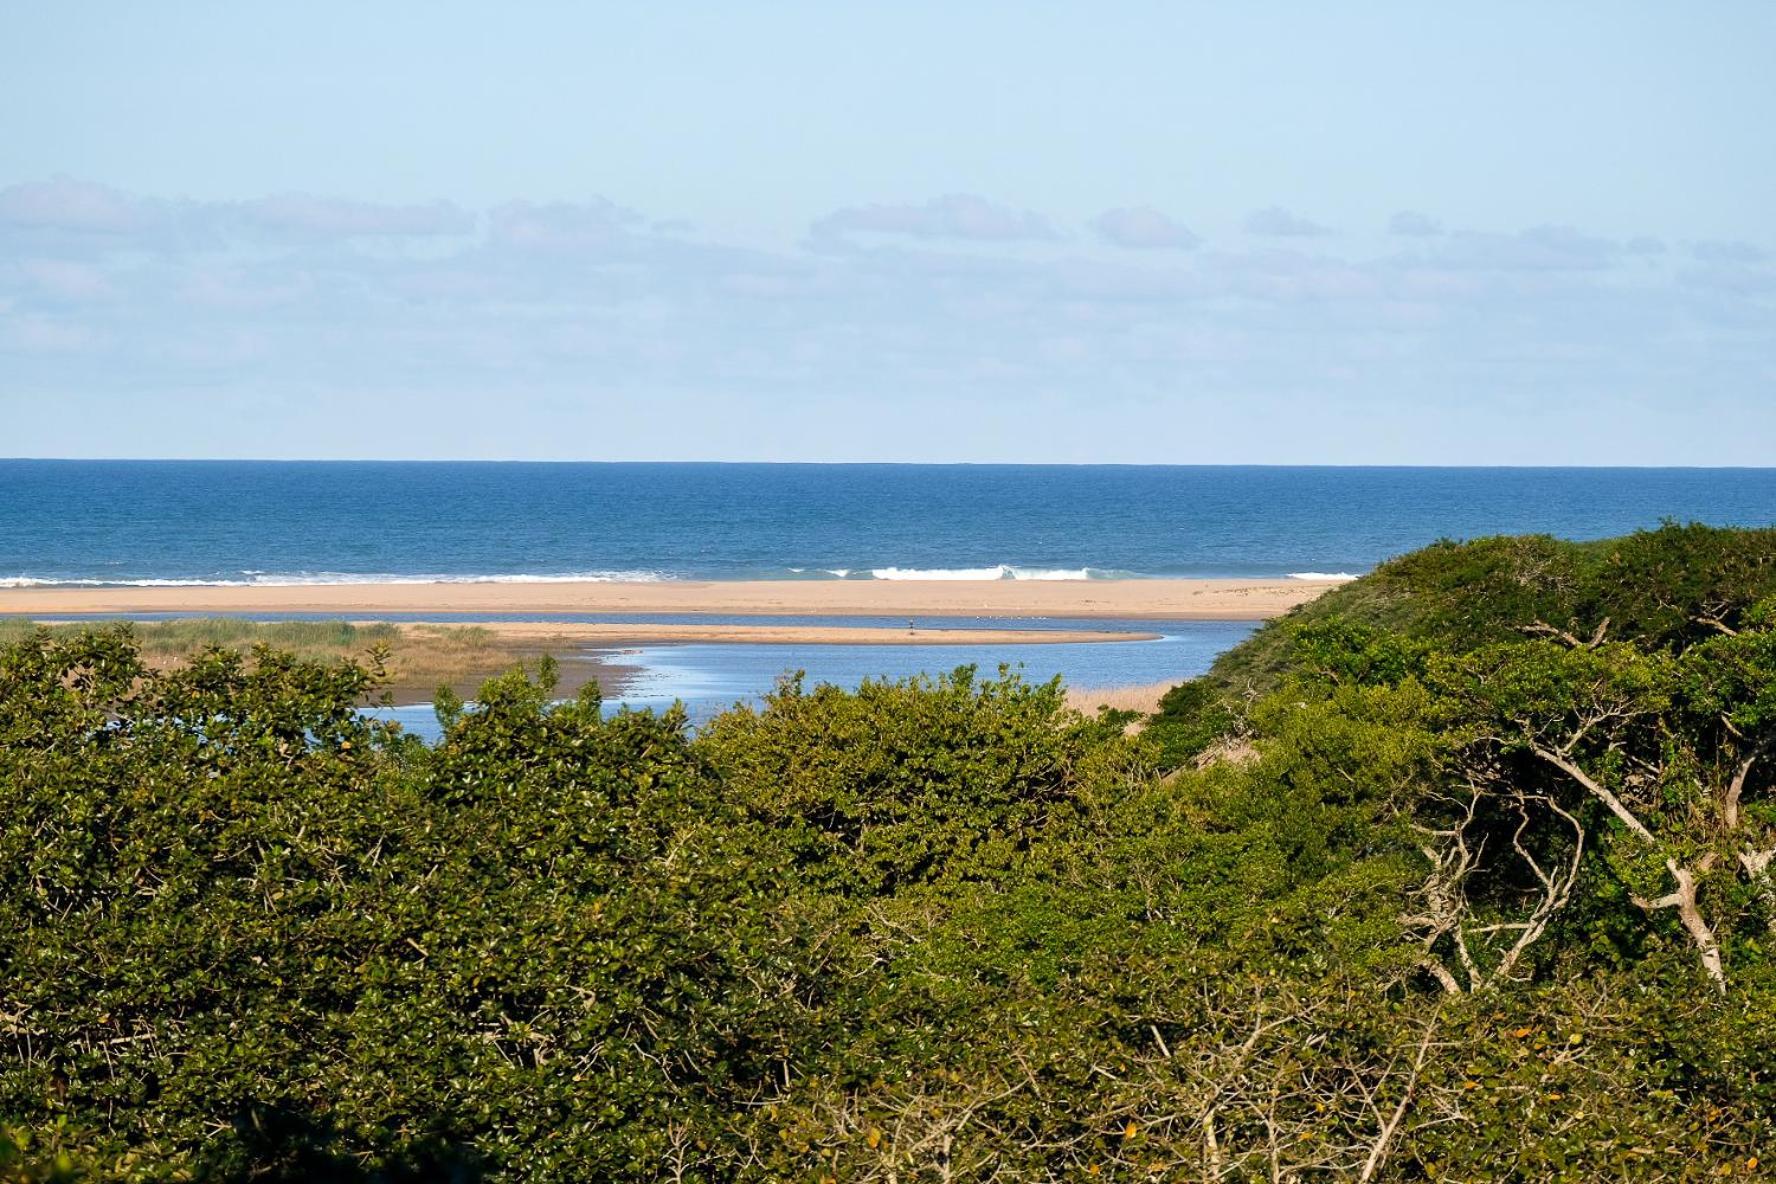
point(1203, 600)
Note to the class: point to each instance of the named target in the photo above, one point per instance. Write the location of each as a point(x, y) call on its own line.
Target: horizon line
point(373, 460)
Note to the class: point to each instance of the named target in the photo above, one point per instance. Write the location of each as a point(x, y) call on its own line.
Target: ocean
point(228, 522)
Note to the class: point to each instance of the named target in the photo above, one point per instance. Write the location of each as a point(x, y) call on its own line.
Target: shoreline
point(1158, 599)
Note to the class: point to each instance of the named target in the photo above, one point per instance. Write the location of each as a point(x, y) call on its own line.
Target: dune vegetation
point(1462, 872)
point(412, 660)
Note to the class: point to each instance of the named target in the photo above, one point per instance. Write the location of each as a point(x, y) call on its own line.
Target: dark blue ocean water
point(258, 522)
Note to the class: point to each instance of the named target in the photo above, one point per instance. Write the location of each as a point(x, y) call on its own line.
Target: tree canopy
point(1462, 872)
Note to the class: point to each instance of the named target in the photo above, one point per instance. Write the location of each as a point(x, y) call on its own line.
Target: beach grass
point(177, 639)
point(1143, 699)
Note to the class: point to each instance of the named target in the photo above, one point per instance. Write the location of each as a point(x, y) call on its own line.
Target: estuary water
point(709, 678)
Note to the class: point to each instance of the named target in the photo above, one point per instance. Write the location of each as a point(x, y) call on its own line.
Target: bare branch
point(1566, 638)
point(1378, 1152)
point(1543, 629)
point(1684, 901)
point(1757, 869)
point(1556, 887)
point(1736, 790)
point(1596, 790)
point(1440, 972)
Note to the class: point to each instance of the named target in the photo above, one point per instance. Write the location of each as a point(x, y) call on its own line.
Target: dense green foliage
point(1663, 589)
point(1449, 879)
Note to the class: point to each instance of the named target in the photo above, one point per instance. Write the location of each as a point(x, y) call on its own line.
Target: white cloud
point(1277, 222)
point(1143, 228)
point(953, 216)
point(591, 296)
point(37, 334)
point(80, 215)
point(562, 225)
point(1717, 251)
point(306, 215)
point(1413, 224)
point(1538, 249)
point(63, 279)
point(68, 205)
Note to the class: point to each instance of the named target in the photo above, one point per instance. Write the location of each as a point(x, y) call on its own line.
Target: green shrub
point(903, 783)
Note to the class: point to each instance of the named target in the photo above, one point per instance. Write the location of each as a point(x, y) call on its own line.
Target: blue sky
point(1148, 232)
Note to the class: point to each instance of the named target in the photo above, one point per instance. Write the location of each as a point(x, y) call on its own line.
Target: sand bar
point(602, 634)
point(1203, 600)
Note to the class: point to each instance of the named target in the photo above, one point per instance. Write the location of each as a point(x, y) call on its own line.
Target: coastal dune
point(1180, 599)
